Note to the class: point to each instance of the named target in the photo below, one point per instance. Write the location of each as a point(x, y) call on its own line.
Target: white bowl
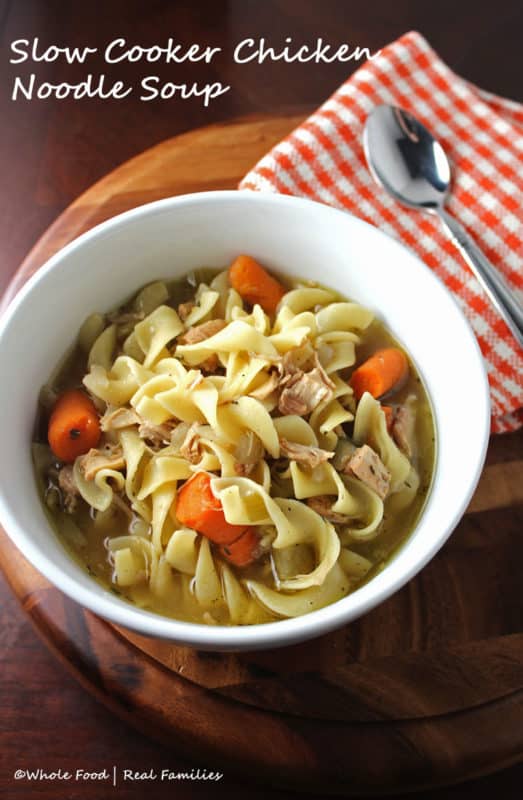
point(300, 238)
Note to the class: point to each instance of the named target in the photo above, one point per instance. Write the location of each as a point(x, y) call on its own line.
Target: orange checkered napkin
point(483, 135)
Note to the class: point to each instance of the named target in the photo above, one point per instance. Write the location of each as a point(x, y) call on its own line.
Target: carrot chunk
point(254, 283)
point(385, 370)
point(197, 507)
point(73, 426)
point(242, 551)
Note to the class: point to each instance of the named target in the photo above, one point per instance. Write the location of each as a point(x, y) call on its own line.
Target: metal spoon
point(412, 166)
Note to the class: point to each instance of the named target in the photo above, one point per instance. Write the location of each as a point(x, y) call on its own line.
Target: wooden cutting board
point(424, 691)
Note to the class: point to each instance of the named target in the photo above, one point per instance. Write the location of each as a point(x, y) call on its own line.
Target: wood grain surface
point(415, 690)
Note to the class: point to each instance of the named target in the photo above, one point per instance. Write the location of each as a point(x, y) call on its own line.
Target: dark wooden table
point(52, 150)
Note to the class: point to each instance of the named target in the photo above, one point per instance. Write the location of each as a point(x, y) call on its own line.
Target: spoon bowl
point(405, 159)
point(411, 165)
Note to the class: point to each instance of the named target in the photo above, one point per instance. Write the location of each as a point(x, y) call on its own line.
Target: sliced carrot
point(389, 415)
point(198, 508)
point(242, 551)
point(254, 283)
point(73, 426)
point(385, 370)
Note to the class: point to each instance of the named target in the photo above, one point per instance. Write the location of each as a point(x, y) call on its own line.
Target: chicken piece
point(304, 454)
point(110, 457)
point(119, 418)
point(297, 359)
point(210, 364)
point(184, 309)
point(248, 453)
point(322, 504)
point(156, 435)
point(68, 489)
point(402, 429)
point(366, 465)
point(243, 469)
point(198, 333)
point(303, 380)
point(190, 447)
point(303, 392)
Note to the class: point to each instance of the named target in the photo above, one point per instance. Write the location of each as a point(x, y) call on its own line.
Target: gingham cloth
point(483, 135)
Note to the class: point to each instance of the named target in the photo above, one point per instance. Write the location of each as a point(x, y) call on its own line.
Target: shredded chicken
point(184, 309)
point(303, 380)
point(323, 506)
point(303, 392)
point(198, 333)
point(111, 457)
point(304, 454)
point(119, 418)
point(190, 447)
point(210, 364)
point(242, 469)
point(297, 359)
point(68, 489)
point(156, 435)
point(248, 453)
point(366, 465)
point(403, 428)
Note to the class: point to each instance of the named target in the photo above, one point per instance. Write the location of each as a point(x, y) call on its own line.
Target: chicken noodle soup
point(234, 448)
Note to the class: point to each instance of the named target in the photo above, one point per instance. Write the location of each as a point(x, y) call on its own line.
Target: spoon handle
point(490, 279)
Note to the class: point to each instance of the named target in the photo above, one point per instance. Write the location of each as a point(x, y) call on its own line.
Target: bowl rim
point(283, 632)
